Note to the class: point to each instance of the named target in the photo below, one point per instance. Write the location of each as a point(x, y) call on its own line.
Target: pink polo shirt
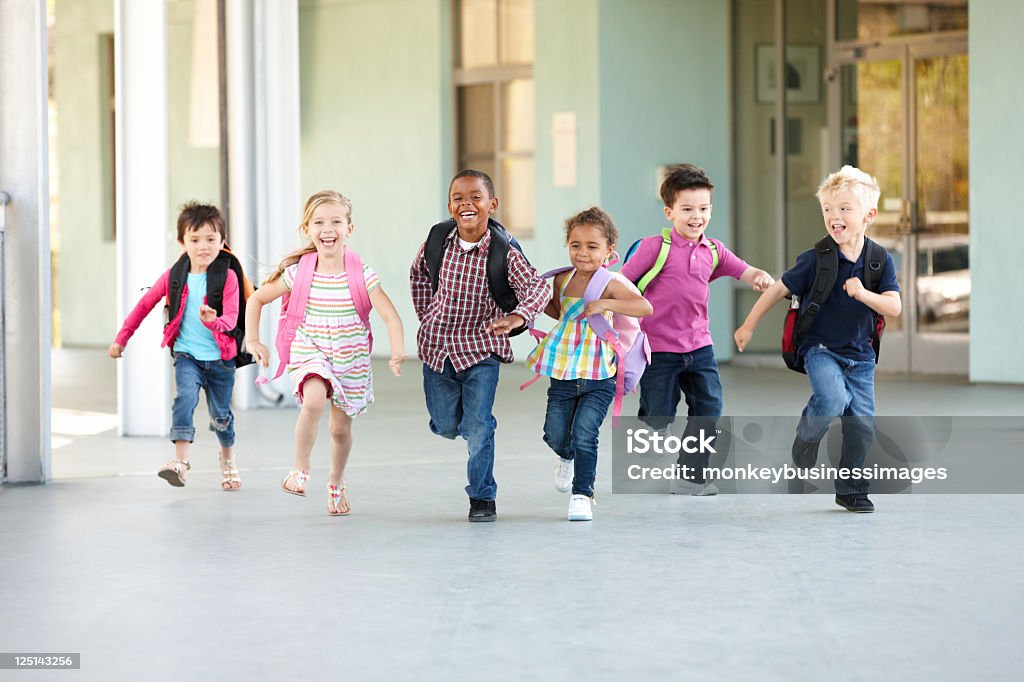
point(679, 294)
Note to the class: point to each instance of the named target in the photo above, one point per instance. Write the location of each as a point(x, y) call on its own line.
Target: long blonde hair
point(326, 196)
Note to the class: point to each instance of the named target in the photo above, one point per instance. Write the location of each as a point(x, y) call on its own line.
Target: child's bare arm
point(396, 339)
point(757, 279)
point(618, 298)
point(554, 307)
point(253, 308)
point(887, 303)
point(775, 293)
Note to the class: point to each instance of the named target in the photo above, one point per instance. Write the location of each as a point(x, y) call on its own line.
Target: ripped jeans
point(217, 378)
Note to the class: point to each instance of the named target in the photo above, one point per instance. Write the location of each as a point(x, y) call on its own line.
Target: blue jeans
point(576, 408)
point(845, 388)
point(461, 404)
point(217, 378)
point(695, 375)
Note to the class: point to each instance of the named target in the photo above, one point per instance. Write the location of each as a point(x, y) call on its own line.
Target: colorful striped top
point(332, 342)
point(572, 350)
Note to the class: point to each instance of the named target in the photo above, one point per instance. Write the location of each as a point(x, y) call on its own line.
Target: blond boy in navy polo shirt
point(682, 358)
point(836, 350)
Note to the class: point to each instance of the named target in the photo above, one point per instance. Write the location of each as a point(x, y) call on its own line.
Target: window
point(494, 102)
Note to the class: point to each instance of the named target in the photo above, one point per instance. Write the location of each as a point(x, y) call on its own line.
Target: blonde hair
point(326, 196)
point(849, 178)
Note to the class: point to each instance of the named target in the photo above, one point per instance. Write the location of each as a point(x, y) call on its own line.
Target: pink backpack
point(293, 304)
point(632, 351)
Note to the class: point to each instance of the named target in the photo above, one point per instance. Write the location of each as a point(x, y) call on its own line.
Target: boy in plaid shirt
point(463, 334)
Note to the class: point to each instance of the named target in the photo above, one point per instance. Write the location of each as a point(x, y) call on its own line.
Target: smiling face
point(202, 246)
point(470, 204)
point(589, 247)
point(845, 217)
point(690, 213)
point(328, 227)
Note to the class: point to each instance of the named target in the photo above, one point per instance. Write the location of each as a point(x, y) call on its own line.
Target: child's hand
point(763, 281)
point(207, 314)
point(395, 363)
point(259, 352)
point(742, 337)
point(854, 287)
point(596, 307)
point(503, 325)
point(114, 350)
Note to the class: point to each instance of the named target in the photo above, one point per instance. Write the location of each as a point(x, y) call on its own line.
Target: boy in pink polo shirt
point(682, 358)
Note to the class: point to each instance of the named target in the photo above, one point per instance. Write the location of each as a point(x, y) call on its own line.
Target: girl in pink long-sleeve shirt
point(204, 352)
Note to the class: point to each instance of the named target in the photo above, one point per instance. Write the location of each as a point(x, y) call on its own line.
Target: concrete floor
point(153, 582)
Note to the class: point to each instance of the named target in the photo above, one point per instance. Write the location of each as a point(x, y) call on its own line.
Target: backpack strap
point(714, 255)
point(825, 273)
point(216, 278)
point(659, 262)
point(875, 256)
point(176, 278)
point(357, 288)
point(874, 262)
point(293, 311)
point(433, 250)
point(604, 330)
point(497, 266)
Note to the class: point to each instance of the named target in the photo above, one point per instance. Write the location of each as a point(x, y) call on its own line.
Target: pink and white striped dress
point(332, 342)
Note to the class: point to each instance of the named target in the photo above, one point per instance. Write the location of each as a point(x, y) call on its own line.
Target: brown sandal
point(175, 472)
point(230, 479)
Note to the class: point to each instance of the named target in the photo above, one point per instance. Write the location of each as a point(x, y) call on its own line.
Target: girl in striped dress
point(329, 357)
point(580, 364)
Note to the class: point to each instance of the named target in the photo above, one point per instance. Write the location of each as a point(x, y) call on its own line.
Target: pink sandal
point(335, 494)
point(299, 478)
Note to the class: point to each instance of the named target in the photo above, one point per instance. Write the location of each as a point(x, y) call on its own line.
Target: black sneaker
point(805, 452)
point(482, 510)
point(855, 503)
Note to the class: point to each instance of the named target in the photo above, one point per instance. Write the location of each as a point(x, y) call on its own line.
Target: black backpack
point(497, 262)
point(799, 317)
point(216, 277)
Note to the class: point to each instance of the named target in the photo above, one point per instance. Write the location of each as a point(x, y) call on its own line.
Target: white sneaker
point(564, 471)
point(579, 508)
point(680, 486)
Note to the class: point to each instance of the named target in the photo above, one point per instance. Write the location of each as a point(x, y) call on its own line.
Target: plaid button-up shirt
point(454, 320)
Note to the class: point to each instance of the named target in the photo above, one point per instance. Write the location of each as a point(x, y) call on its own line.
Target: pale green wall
point(89, 313)
point(997, 169)
point(664, 98)
point(84, 263)
point(194, 173)
point(375, 81)
point(566, 80)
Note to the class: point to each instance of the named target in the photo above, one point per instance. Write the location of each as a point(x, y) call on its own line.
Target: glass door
point(900, 113)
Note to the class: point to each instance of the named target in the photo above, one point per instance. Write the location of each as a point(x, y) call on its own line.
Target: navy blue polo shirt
point(844, 325)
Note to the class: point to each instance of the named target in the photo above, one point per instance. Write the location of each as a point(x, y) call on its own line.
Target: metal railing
point(5, 199)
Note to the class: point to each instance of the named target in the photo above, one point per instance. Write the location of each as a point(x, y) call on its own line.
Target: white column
point(264, 139)
point(241, 161)
point(140, 47)
point(26, 269)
